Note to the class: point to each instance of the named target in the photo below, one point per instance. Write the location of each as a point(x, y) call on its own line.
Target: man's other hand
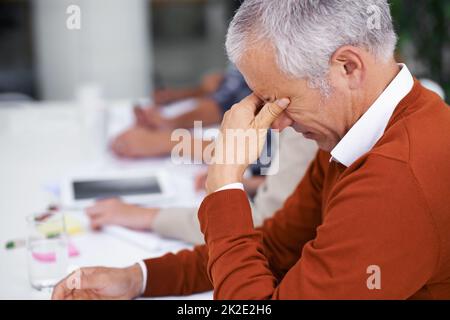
point(98, 283)
point(116, 212)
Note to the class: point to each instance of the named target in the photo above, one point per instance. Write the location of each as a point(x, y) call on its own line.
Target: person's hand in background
point(139, 142)
point(140, 116)
point(210, 83)
point(116, 212)
point(199, 181)
point(98, 283)
point(166, 95)
point(151, 118)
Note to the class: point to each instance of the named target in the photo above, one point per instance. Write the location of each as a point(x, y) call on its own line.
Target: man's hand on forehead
point(256, 104)
point(251, 114)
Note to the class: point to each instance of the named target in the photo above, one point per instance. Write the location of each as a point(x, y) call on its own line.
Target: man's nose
point(282, 122)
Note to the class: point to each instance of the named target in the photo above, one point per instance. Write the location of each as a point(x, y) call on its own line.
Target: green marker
point(19, 243)
point(13, 244)
point(53, 235)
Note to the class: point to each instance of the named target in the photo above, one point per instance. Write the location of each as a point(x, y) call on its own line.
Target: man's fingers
point(270, 112)
point(61, 291)
point(74, 286)
point(252, 99)
point(252, 102)
point(65, 288)
point(87, 295)
point(88, 278)
point(92, 278)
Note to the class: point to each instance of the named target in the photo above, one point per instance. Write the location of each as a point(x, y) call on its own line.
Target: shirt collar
point(366, 132)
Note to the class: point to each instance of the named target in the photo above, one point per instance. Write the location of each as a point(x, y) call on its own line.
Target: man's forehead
point(263, 87)
point(257, 84)
point(260, 83)
point(260, 71)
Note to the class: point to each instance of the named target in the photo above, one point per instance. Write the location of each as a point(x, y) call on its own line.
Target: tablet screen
point(115, 188)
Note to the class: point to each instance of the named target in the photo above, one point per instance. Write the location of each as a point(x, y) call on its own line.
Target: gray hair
point(306, 33)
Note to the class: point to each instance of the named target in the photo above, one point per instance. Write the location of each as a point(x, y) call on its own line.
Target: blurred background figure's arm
point(142, 139)
point(231, 90)
point(209, 84)
point(219, 95)
point(205, 110)
point(139, 142)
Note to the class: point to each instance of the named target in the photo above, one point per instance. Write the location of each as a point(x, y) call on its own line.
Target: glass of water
point(47, 249)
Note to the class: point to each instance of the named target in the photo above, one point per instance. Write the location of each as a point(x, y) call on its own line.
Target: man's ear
point(349, 64)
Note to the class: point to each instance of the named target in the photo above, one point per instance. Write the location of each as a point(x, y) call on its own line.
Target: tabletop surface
point(40, 143)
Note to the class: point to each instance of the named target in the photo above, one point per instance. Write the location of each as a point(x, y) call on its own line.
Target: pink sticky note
point(50, 257)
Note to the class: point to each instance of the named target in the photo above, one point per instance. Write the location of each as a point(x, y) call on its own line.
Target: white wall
point(112, 48)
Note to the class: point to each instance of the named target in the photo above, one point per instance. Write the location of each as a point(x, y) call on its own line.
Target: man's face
point(317, 118)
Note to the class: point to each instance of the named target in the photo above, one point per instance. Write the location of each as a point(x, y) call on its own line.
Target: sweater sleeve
point(375, 219)
point(185, 272)
point(178, 274)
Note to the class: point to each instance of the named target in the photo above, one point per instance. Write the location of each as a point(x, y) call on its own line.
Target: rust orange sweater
point(391, 209)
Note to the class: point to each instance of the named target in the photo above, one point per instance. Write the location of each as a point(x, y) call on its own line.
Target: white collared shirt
point(366, 132)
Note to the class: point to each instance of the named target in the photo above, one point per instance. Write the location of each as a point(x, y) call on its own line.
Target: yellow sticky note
point(73, 226)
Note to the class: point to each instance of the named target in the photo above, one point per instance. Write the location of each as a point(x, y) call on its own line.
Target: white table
point(39, 144)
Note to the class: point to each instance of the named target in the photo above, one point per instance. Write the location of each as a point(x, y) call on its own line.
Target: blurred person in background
point(210, 83)
point(151, 134)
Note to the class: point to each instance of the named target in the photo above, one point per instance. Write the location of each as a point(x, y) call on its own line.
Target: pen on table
point(19, 243)
point(13, 244)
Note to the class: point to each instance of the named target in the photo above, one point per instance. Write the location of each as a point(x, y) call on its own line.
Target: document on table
point(148, 241)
